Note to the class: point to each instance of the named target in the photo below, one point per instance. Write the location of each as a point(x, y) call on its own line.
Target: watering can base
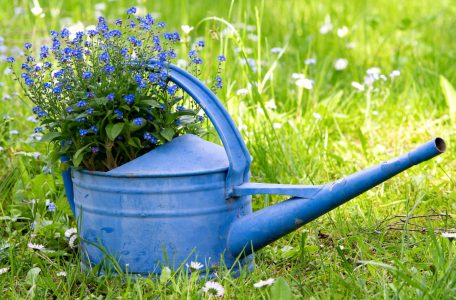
point(246, 264)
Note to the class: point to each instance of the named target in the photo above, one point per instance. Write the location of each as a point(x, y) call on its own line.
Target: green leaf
point(151, 102)
point(280, 290)
point(167, 133)
point(450, 96)
point(101, 101)
point(50, 136)
point(32, 275)
point(135, 142)
point(113, 130)
point(165, 275)
point(79, 155)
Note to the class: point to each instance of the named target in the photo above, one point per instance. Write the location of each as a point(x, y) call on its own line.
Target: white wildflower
point(1, 148)
point(242, 92)
point(343, 31)
point(277, 125)
point(6, 97)
point(276, 50)
point(246, 50)
point(90, 27)
point(250, 28)
point(70, 232)
point(36, 9)
point(195, 265)
point(310, 61)
point(358, 86)
point(262, 283)
point(297, 76)
point(35, 246)
point(271, 104)
point(228, 32)
point(341, 247)
point(340, 64)
point(3, 270)
point(100, 6)
point(182, 63)
point(35, 155)
point(350, 45)
point(317, 116)
point(375, 72)
point(260, 111)
point(375, 113)
point(383, 77)
point(18, 10)
point(252, 37)
point(3, 48)
point(14, 132)
point(8, 71)
point(305, 83)
point(449, 235)
point(327, 26)
point(186, 28)
point(61, 274)
point(395, 73)
point(72, 240)
point(32, 119)
point(214, 288)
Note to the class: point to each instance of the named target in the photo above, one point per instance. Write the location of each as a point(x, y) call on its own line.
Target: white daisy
point(343, 31)
point(276, 50)
point(3, 270)
point(61, 274)
point(340, 64)
point(327, 26)
point(449, 235)
point(195, 265)
point(242, 92)
point(358, 86)
point(310, 61)
point(262, 283)
point(317, 116)
point(305, 83)
point(72, 240)
point(35, 246)
point(70, 232)
point(214, 288)
point(395, 73)
point(186, 28)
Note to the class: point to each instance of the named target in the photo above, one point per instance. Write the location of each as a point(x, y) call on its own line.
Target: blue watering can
point(190, 200)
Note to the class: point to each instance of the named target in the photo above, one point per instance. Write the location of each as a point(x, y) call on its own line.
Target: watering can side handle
point(238, 155)
point(68, 183)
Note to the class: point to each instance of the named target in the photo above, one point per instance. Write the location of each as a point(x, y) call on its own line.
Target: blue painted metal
point(267, 225)
point(68, 184)
point(190, 199)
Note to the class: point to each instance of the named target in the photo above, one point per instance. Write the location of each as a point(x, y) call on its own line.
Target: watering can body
point(190, 200)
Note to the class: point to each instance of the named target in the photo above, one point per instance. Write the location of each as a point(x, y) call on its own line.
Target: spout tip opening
point(440, 144)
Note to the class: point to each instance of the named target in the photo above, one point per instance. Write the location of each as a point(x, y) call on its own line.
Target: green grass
point(360, 250)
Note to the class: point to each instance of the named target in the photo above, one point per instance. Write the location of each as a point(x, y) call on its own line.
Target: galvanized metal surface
point(189, 200)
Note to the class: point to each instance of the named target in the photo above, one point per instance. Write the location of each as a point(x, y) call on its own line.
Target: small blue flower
point(51, 207)
point(132, 24)
point(150, 138)
point(47, 65)
point(153, 77)
point(201, 43)
point(161, 24)
point(197, 61)
point(28, 59)
point(86, 75)
point(108, 69)
point(42, 114)
point(89, 111)
point(36, 109)
point(110, 97)
point(118, 22)
point(81, 103)
point(94, 128)
point(81, 120)
point(180, 108)
point(38, 129)
point(119, 114)
point(59, 73)
point(104, 56)
point(69, 109)
point(10, 59)
point(138, 121)
point(83, 132)
point(44, 52)
point(92, 33)
point(90, 94)
point(65, 33)
point(37, 68)
point(95, 149)
point(172, 89)
point(221, 58)
point(131, 10)
point(199, 118)
point(124, 51)
point(27, 45)
point(129, 98)
point(25, 67)
point(47, 85)
point(28, 81)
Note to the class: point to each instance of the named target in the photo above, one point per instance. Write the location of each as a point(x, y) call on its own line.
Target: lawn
point(319, 90)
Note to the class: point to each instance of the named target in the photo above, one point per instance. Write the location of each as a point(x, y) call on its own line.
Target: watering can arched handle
point(238, 155)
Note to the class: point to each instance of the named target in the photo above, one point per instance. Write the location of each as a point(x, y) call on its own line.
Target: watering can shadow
point(192, 196)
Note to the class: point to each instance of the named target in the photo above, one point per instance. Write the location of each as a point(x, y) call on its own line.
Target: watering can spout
point(256, 230)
